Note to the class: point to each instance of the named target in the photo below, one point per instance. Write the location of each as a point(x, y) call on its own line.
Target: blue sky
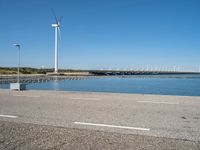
point(101, 33)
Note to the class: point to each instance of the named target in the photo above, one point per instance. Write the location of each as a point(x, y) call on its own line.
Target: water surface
point(186, 85)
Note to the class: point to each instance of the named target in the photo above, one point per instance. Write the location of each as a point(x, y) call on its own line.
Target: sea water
point(185, 85)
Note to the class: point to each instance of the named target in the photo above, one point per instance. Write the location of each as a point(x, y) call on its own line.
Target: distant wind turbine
point(57, 31)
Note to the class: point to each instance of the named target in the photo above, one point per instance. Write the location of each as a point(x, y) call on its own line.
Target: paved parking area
point(98, 120)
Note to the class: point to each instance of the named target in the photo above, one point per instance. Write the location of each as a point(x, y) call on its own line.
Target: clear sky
point(101, 33)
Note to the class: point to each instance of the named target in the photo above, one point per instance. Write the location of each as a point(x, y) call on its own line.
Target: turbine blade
point(54, 14)
point(60, 19)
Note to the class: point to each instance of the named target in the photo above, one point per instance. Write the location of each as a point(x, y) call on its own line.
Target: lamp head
point(16, 45)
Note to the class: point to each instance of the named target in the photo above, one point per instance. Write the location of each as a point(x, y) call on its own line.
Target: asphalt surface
point(74, 120)
point(30, 136)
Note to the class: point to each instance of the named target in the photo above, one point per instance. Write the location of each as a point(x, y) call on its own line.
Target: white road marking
point(8, 116)
point(158, 102)
point(88, 98)
point(19, 95)
point(111, 126)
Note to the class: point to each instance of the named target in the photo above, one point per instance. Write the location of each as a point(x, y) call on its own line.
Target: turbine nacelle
point(55, 25)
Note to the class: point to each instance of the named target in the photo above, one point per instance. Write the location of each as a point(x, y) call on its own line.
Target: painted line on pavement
point(111, 126)
point(35, 96)
point(158, 102)
point(89, 98)
point(8, 116)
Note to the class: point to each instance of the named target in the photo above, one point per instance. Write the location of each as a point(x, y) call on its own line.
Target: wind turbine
point(57, 29)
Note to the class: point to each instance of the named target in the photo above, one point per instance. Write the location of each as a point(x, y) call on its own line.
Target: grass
point(23, 70)
point(29, 70)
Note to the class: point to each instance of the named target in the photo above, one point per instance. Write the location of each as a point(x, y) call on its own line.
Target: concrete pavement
point(155, 116)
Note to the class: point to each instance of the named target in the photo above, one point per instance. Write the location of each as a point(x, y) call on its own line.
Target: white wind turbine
point(57, 29)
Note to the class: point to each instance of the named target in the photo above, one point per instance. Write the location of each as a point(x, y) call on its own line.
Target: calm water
point(164, 85)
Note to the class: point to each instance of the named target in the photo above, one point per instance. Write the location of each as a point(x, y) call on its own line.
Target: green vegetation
point(28, 70)
point(23, 70)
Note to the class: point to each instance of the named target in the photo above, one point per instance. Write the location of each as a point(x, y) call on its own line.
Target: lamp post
point(18, 47)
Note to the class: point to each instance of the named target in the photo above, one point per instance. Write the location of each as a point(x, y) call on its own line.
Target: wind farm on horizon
point(104, 70)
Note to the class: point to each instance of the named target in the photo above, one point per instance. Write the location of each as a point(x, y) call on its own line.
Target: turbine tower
point(57, 29)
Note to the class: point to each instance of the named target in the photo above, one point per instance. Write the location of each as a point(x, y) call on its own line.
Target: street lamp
point(18, 86)
point(18, 47)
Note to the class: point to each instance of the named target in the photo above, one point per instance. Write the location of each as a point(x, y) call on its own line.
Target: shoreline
point(29, 76)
